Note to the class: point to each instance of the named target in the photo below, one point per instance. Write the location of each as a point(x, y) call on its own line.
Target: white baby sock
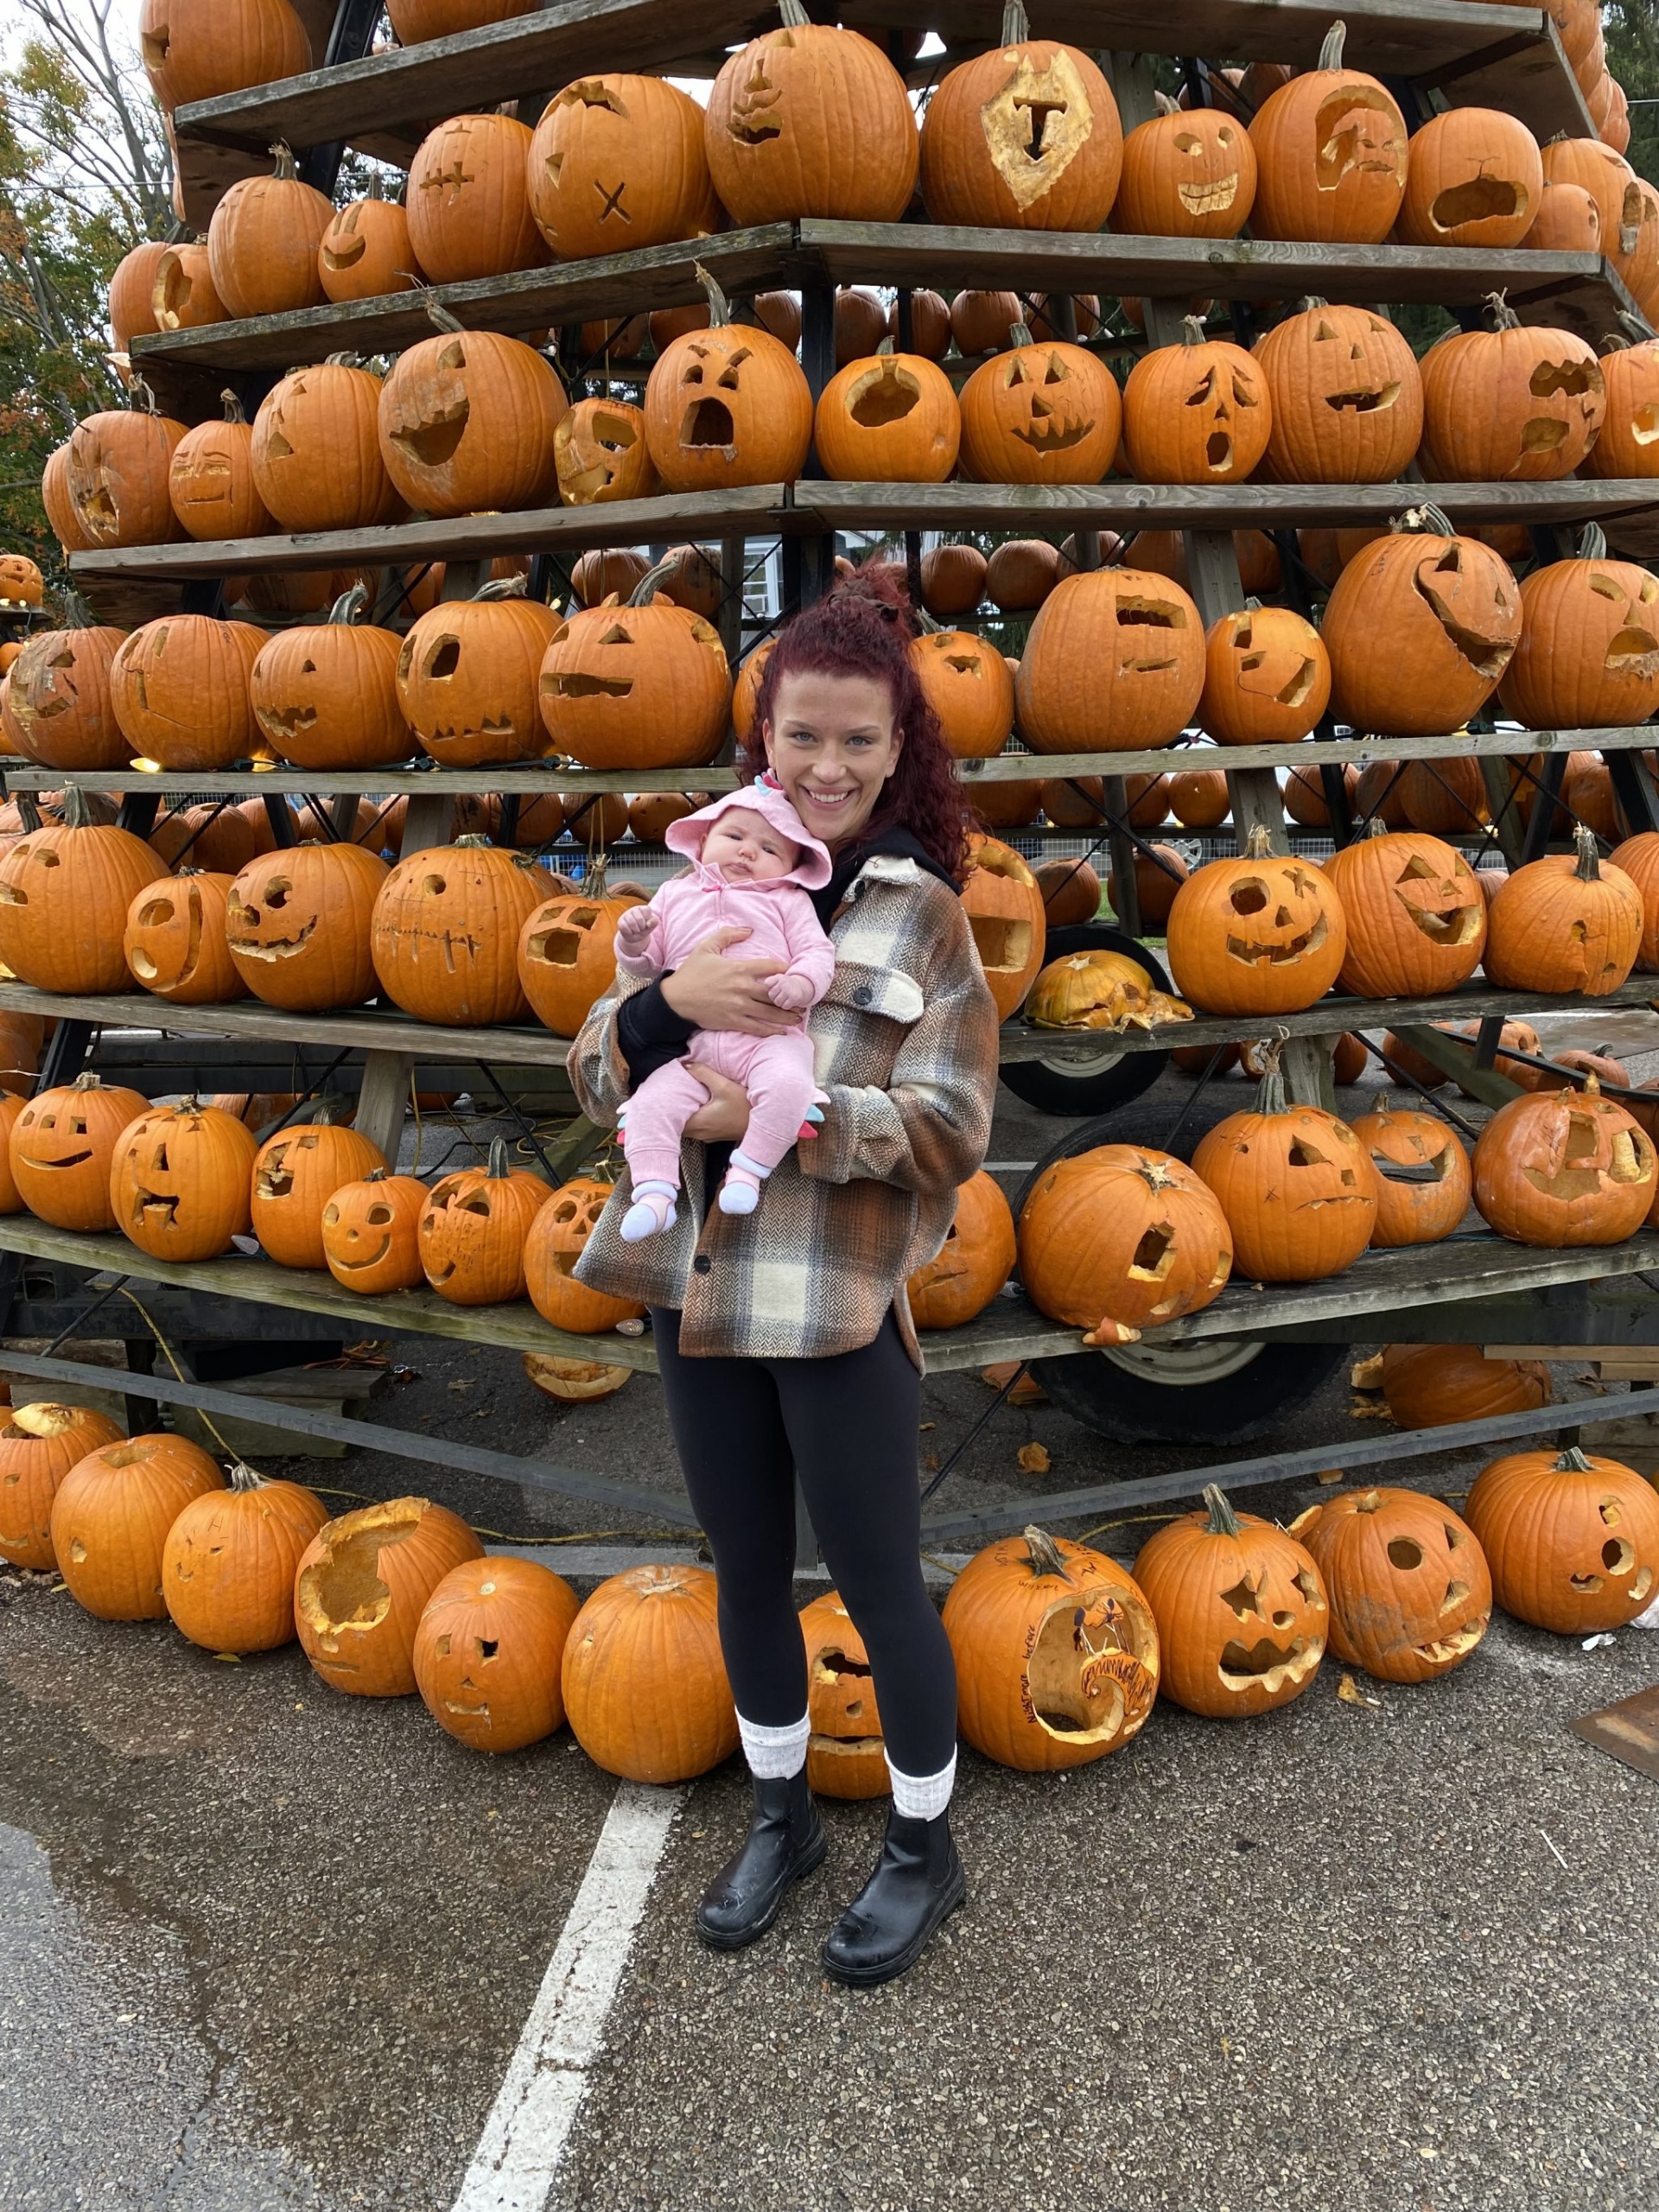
point(651, 1212)
point(741, 1192)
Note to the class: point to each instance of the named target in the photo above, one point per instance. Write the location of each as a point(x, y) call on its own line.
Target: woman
point(783, 1335)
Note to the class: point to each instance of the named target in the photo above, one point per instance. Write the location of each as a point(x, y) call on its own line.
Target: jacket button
point(861, 996)
point(703, 1263)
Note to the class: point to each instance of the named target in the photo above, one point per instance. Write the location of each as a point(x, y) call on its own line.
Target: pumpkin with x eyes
point(1241, 1612)
point(371, 1233)
point(1196, 413)
point(1046, 414)
point(1573, 1540)
point(617, 164)
point(1263, 934)
point(1188, 173)
point(1347, 396)
point(1564, 1168)
point(727, 405)
point(1410, 1592)
point(1423, 1178)
point(1416, 916)
point(1267, 677)
point(1420, 627)
point(558, 1237)
point(1296, 1185)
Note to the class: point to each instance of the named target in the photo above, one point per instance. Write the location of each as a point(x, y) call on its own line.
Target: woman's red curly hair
point(865, 628)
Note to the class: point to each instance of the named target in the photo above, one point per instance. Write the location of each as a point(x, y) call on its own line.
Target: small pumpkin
point(974, 1261)
point(645, 1685)
point(1188, 173)
point(1200, 798)
point(1565, 922)
point(111, 1518)
point(473, 1232)
point(39, 1444)
point(366, 252)
point(1409, 1589)
point(1121, 1238)
point(363, 1583)
point(371, 1233)
point(179, 1181)
point(488, 1648)
point(1262, 934)
point(230, 1558)
point(1427, 1386)
point(1423, 1176)
point(210, 478)
point(175, 940)
point(1160, 872)
point(1564, 1168)
point(1005, 915)
point(1296, 1185)
point(1196, 413)
point(846, 1756)
point(1072, 892)
point(967, 683)
point(297, 921)
point(600, 453)
point(728, 405)
point(1020, 573)
point(953, 580)
point(295, 1174)
point(1571, 1539)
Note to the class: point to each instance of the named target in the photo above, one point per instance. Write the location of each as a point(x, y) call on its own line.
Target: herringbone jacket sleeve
point(597, 1067)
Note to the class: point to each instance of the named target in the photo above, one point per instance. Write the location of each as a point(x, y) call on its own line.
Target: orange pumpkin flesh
point(976, 1260)
point(645, 1685)
point(1005, 914)
point(362, 1585)
point(230, 1558)
point(488, 1649)
point(1563, 1168)
point(1410, 1592)
point(111, 1517)
point(1573, 1540)
point(38, 1445)
point(1100, 991)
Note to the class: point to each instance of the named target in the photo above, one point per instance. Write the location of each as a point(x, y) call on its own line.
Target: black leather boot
point(916, 1885)
point(784, 1842)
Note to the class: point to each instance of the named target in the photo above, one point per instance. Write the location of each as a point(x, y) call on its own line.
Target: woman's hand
point(716, 994)
point(725, 1118)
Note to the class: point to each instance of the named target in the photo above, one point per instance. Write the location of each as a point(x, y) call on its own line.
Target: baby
point(752, 863)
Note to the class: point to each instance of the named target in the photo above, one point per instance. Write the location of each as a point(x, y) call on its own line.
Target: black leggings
point(848, 1426)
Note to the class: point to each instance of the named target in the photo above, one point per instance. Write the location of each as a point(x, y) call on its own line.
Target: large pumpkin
point(473, 1232)
point(1347, 396)
point(201, 49)
point(1589, 653)
point(1628, 442)
point(371, 1233)
point(295, 1174)
point(1047, 414)
point(1196, 413)
point(316, 452)
point(467, 677)
point(1573, 1540)
point(1330, 155)
point(230, 1559)
point(362, 1585)
point(1410, 1592)
point(111, 1517)
point(566, 955)
point(728, 405)
point(1265, 933)
point(644, 1684)
point(1057, 1653)
point(1427, 1386)
point(64, 890)
point(1240, 1608)
point(1475, 179)
point(617, 164)
point(974, 1262)
point(1520, 404)
point(968, 684)
point(325, 694)
point(1564, 1168)
point(557, 1238)
point(39, 1444)
point(264, 240)
point(297, 925)
point(180, 690)
point(1419, 628)
point(184, 296)
point(1005, 915)
point(179, 1181)
point(116, 474)
point(1113, 662)
point(1296, 1185)
point(1121, 1238)
point(1566, 923)
point(445, 932)
point(646, 685)
point(1423, 1177)
point(846, 1756)
point(468, 200)
point(1416, 916)
point(1187, 173)
point(61, 1148)
point(1267, 677)
point(488, 1650)
point(467, 419)
point(58, 708)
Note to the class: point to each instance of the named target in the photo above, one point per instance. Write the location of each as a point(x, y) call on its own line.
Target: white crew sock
point(774, 1754)
point(921, 1796)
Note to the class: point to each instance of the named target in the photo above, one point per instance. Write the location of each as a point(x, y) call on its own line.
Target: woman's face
point(832, 744)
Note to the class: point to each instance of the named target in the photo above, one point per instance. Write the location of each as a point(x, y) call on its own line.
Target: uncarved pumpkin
point(644, 1684)
point(488, 1651)
point(111, 1517)
point(264, 239)
point(1427, 1386)
point(230, 1558)
point(362, 1585)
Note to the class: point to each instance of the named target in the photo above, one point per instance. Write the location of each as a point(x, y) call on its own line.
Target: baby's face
point(745, 849)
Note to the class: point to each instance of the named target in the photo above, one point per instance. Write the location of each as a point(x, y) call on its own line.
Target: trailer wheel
point(1215, 1390)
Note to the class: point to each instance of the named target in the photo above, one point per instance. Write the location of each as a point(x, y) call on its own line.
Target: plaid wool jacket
point(905, 1046)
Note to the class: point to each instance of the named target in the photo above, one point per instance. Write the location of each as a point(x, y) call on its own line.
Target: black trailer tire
point(1215, 1390)
point(1106, 1078)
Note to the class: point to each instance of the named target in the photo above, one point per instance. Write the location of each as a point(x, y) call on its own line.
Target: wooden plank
point(1526, 73)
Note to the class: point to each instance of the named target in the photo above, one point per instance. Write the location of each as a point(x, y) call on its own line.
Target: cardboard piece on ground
point(1628, 1731)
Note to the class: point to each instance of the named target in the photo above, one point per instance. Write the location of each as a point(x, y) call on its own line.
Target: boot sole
point(890, 1970)
point(739, 1940)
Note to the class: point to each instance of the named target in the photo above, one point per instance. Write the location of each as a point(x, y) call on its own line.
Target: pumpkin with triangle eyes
point(1046, 414)
point(1347, 396)
point(1410, 1592)
point(617, 164)
point(1296, 1185)
point(1267, 677)
point(1416, 916)
point(558, 1237)
point(467, 422)
point(1196, 413)
point(976, 1260)
point(727, 405)
point(636, 686)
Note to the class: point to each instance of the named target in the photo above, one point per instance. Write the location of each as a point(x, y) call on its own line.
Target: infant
point(752, 863)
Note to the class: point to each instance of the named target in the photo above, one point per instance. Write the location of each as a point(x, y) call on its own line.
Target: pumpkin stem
point(375, 1175)
point(720, 307)
point(1503, 315)
point(350, 604)
point(76, 814)
point(1573, 1462)
point(793, 16)
point(435, 311)
point(1376, 827)
point(1588, 869)
point(929, 625)
point(503, 588)
point(234, 410)
point(1270, 1091)
point(1015, 28)
point(1330, 50)
point(648, 585)
point(1426, 516)
point(500, 1167)
point(1192, 330)
point(1020, 334)
point(1592, 543)
point(1258, 845)
point(1043, 1553)
point(471, 840)
point(1223, 1522)
point(245, 1478)
point(1165, 105)
point(87, 1082)
point(143, 399)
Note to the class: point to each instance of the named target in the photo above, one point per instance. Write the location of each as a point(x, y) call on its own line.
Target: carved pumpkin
point(297, 925)
point(473, 1232)
point(1187, 174)
point(184, 297)
point(1427, 1386)
point(325, 694)
point(974, 1261)
point(644, 685)
point(467, 678)
point(468, 201)
point(1410, 1592)
point(1564, 1168)
point(111, 1518)
point(371, 1233)
point(1571, 1540)
point(645, 1685)
point(1113, 662)
point(617, 164)
point(600, 453)
point(891, 418)
point(1262, 934)
point(39, 1444)
point(1267, 677)
point(175, 945)
point(1241, 1609)
point(567, 957)
point(811, 121)
point(1330, 155)
point(364, 1581)
point(58, 707)
point(1416, 917)
point(1346, 394)
point(211, 481)
point(466, 424)
point(445, 931)
point(1099, 989)
point(1638, 859)
point(1296, 1185)
point(1518, 403)
point(116, 475)
point(230, 1558)
point(1423, 1177)
point(179, 687)
point(1023, 136)
point(59, 502)
point(1565, 922)
point(132, 308)
point(1589, 653)
point(1121, 1238)
point(64, 894)
point(1419, 628)
point(1196, 413)
point(1057, 1653)
point(1628, 442)
point(199, 49)
point(1047, 414)
point(264, 240)
point(845, 1755)
point(966, 682)
point(953, 580)
point(487, 1652)
point(558, 1237)
point(366, 252)
point(1568, 221)
point(1005, 914)
point(179, 1181)
point(728, 405)
point(295, 1174)
point(61, 1148)
point(1475, 179)
point(316, 455)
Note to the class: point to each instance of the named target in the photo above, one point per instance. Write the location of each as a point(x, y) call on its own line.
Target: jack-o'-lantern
point(1520, 402)
point(1113, 662)
point(467, 422)
point(175, 940)
point(1568, 922)
point(1639, 858)
point(1409, 1589)
point(467, 677)
point(1267, 677)
point(1188, 173)
point(364, 1581)
point(370, 1233)
point(211, 479)
point(1005, 914)
point(1564, 1168)
point(1265, 933)
point(725, 405)
point(1475, 179)
point(1347, 396)
point(974, 1261)
point(845, 1755)
point(1416, 916)
point(617, 164)
point(316, 451)
point(1571, 1540)
point(111, 1519)
point(297, 922)
point(179, 687)
point(325, 694)
point(567, 955)
point(1419, 628)
point(1568, 221)
point(1038, 414)
point(1330, 155)
point(600, 453)
point(558, 1237)
point(472, 1234)
point(59, 709)
point(366, 252)
point(1057, 1653)
point(179, 1180)
point(64, 890)
point(467, 200)
point(643, 685)
point(295, 1174)
point(487, 1652)
point(60, 1148)
point(1628, 443)
point(1296, 1185)
point(116, 474)
point(39, 1444)
point(1119, 1239)
point(184, 296)
point(1196, 413)
point(1026, 136)
point(1241, 1612)
point(445, 932)
point(1423, 1177)
point(1589, 653)
point(1099, 989)
point(967, 683)
point(890, 418)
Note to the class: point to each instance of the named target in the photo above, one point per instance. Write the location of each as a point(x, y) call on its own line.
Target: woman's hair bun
point(879, 588)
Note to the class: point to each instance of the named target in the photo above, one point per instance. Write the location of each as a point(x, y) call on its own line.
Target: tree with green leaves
point(1632, 30)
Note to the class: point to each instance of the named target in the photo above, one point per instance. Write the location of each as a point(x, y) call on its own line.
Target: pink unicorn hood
point(811, 871)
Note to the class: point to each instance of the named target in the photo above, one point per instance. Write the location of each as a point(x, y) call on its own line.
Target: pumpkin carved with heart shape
point(1196, 413)
point(1564, 1168)
point(61, 1148)
point(726, 404)
point(1573, 1540)
point(1267, 677)
point(473, 1232)
point(59, 709)
point(1115, 661)
point(1262, 934)
point(558, 1237)
point(1423, 1177)
point(1121, 1238)
point(1047, 414)
point(1589, 653)
point(1416, 916)
point(1419, 628)
point(1330, 155)
point(975, 1261)
point(1569, 922)
point(1410, 1592)
point(467, 422)
point(175, 940)
point(445, 932)
point(467, 677)
point(179, 1181)
point(1188, 173)
point(1296, 1185)
point(1346, 394)
point(643, 685)
point(1005, 914)
point(1517, 403)
point(1241, 1612)
point(371, 1233)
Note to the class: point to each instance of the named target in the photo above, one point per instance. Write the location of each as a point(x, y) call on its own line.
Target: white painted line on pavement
point(529, 2124)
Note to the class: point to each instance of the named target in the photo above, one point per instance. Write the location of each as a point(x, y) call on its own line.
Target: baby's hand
point(791, 992)
point(634, 926)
